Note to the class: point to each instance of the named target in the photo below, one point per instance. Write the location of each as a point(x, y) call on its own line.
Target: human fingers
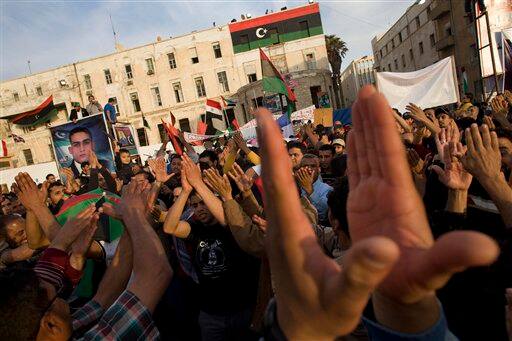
point(469, 141)
point(477, 138)
point(352, 168)
point(366, 264)
point(358, 133)
point(453, 252)
point(486, 136)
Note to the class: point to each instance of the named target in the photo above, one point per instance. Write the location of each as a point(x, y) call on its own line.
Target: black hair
point(47, 176)
point(55, 184)
point(339, 165)
point(22, 304)
point(470, 96)
point(111, 100)
point(329, 147)
point(79, 130)
point(296, 144)
point(5, 220)
point(337, 201)
point(210, 154)
point(124, 151)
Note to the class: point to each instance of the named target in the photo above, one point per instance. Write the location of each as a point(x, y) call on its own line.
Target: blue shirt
point(112, 112)
point(319, 198)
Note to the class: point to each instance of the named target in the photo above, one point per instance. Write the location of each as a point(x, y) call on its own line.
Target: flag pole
point(224, 113)
point(255, 98)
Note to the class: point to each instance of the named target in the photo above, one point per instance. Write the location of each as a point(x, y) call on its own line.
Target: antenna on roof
point(113, 30)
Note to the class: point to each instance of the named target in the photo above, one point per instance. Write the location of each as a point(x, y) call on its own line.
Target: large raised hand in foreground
point(393, 255)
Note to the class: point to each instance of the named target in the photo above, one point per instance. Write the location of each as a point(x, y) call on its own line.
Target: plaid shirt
point(126, 319)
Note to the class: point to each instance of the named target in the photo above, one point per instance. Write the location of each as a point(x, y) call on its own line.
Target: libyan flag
point(274, 82)
point(110, 229)
point(43, 113)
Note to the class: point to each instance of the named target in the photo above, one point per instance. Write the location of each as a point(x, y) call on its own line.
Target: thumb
point(438, 170)
point(365, 266)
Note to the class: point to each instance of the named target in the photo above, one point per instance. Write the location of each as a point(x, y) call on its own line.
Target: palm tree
point(336, 50)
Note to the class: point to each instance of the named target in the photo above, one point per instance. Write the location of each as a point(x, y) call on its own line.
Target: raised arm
point(149, 282)
point(419, 115)
point(193, 174)
point(172, 224)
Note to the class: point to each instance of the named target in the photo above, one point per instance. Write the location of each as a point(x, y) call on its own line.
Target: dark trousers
point(226, 327)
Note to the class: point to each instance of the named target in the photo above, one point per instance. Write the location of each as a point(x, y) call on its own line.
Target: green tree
point(336, 50)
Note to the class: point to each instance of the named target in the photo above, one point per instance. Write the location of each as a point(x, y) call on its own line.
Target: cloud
point(53, 34)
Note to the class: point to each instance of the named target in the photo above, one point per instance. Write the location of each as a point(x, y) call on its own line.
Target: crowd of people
point(397, 227)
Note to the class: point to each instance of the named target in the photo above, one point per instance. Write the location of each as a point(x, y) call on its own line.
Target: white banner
point(191, 137)
point(429, 87)
point(305, 114)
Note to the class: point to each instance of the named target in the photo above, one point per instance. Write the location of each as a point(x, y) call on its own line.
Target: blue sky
point(52, 33)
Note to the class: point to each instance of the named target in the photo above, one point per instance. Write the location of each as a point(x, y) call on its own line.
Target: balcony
point(445, 43)
point(441, 9)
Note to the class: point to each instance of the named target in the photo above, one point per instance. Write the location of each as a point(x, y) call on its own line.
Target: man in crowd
point(13, 241)
point(339, 146)
point(51, 178)
point(77, 112)
point(296, 151)
point(94, 107)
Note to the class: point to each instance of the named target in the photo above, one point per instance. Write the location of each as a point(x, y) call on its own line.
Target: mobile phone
point(100, 202)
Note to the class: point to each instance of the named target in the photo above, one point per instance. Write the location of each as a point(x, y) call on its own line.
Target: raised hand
point(83, 242)
point(242, 181)
point(73, 228)
point(159, 169)
point(26, 190)
point(239, 140)
point(218, 183)
point(93, 160)
point(489, 122)
point(454, 175)
point(305, 178)
point(483, 158)
point(415, 161)
point(133, 199)
point(185, 185)
point(499, 107)
point(260, 222)
point(316, 298)
point(383, 201)
point(192, 171)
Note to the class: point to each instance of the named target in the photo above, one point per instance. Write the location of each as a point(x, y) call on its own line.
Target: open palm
point(383, 201)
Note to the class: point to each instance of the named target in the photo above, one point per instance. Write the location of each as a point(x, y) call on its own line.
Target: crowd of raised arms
point(398, 227)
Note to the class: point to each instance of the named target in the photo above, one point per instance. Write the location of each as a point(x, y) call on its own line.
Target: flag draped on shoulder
point(273, 81)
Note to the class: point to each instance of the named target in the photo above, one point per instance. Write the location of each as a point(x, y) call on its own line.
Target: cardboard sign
point(323, 116)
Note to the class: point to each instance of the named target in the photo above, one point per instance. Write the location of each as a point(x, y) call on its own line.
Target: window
point(396, 64)
point(310, 61)
point(244, 39)
point(223, 81)
point(52, 156)
point(411, 54)
point(201, 91)
point(400, 37)
point(172, 60)
point(178, 93)
point(108, 76)
point(417, 20)
point(143, 138)
point(304, 27)
point(162, 132)
point(150, 66)
point(135, 101)
point(87, 82)
point(421, 47)
point(193, 55)
point(274, 36)
point(393, 43)
point(39, 91)
point(381, 54)
point(216, 50)
point(403, 61)
point(116, 105)
point(28, 156)
point(252, 78)
point(16, 97)
point(432, 40)
point(184, 125)
point(157, 99)
point(128, 70)
point(389, 67)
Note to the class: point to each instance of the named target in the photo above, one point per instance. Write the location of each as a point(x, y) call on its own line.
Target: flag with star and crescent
point(275, 28)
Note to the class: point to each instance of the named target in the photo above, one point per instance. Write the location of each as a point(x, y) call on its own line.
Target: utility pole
point(29, 68)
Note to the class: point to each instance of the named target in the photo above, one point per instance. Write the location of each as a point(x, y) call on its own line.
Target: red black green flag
point(273, 81)
point(275, 28)
point(43, 113)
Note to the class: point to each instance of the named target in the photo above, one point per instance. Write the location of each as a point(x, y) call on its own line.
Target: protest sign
point(305, 114)
point(323, 116)
point(72, 143)
point(126, 138)
point(429, 87)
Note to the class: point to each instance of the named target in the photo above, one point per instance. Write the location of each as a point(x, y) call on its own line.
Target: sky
point(53, 33)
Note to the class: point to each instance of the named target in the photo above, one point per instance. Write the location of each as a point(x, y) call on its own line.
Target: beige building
point(176, 74)
point(410, 44)
point(359, 73)
point(456, 29)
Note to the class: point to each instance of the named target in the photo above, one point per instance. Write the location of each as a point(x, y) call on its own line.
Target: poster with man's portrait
point(126, 138)
point(73, 143)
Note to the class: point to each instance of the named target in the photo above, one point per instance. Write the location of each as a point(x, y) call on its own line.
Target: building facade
point(455, 29)
point(176, 74)
point(357, 74)
point(410, 44)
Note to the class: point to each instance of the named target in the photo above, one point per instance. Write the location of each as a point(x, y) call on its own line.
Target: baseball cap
point(338, 123)
point(338, 141)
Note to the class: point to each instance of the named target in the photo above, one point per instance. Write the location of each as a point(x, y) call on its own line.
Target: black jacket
point(74, 115)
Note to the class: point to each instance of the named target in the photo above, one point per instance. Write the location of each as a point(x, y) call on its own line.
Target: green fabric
point(283, 38)
point(274, 85)
point(27, 122)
